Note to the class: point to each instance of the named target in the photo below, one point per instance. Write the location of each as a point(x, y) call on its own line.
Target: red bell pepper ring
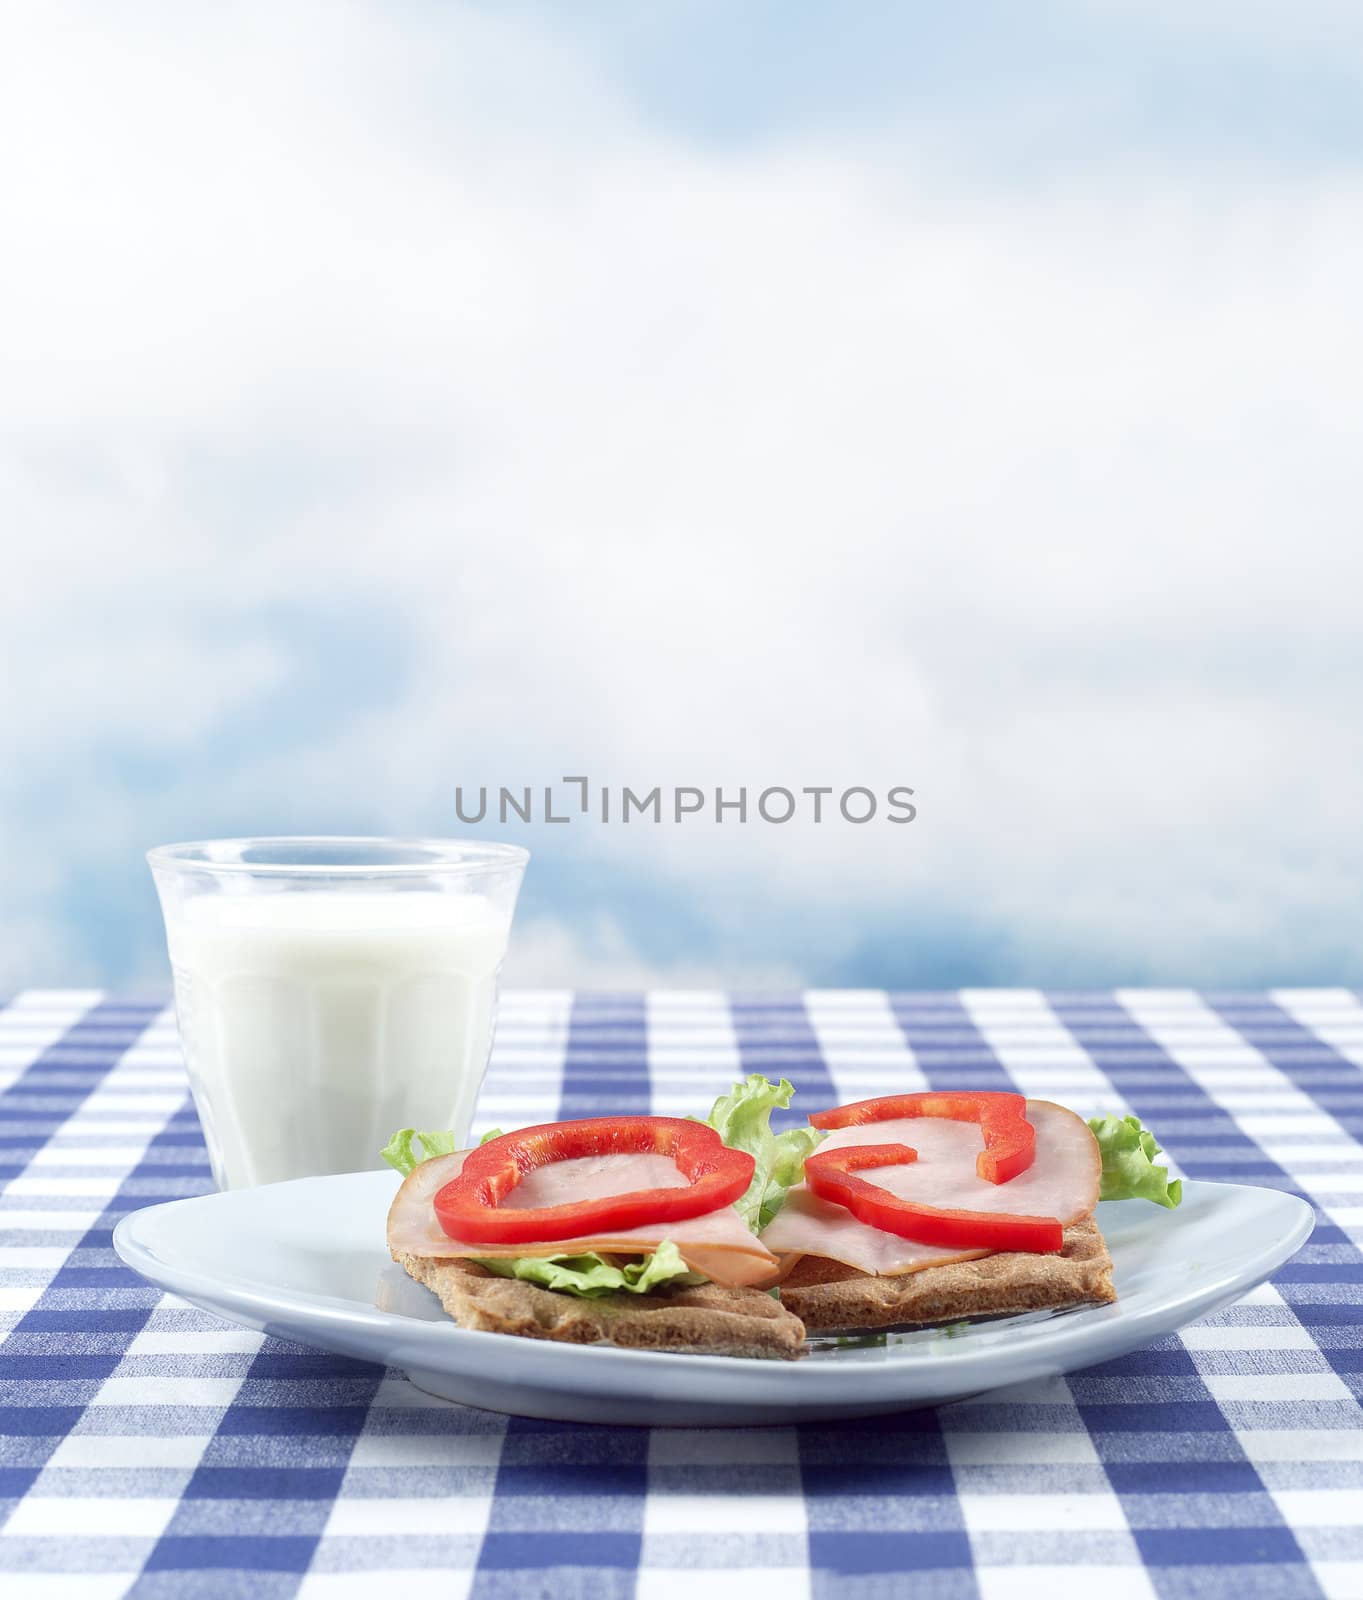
point(1009, 1139)
point(831, 1174)
point(471, 1207)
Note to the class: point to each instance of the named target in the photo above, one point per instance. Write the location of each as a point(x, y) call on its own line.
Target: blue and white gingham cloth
point(151, 1450)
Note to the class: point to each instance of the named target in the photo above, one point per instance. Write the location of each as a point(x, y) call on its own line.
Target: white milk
point(316, 1023)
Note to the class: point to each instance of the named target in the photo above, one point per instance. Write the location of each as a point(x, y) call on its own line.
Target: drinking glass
point(329, 991)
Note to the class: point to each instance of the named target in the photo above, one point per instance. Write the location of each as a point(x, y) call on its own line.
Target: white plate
point(306, 1261)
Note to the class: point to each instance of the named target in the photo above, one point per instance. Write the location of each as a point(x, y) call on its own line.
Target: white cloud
point(598, 954)
point(1314, 28)
point(682, 465)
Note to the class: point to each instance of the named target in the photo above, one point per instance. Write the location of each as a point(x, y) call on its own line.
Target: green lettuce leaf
point(400, 1154)
point(1129, 1172)
point(593, 1275)
point(742, 1118)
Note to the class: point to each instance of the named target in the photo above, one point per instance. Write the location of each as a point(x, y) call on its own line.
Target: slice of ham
point(718, 1244)
point(1062, 1182)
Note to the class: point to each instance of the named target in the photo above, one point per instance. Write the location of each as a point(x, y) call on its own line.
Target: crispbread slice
point(704, 1320)
point(829, 1298)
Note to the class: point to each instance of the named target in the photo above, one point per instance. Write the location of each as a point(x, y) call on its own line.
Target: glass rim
point(445, 857)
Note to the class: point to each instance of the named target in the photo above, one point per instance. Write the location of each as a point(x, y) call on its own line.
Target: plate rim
point(322, 1312)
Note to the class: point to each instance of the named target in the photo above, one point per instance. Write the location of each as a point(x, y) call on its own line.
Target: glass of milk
point(329, 991)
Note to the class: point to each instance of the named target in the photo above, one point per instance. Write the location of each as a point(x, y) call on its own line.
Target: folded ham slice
point(718, 1244)
point(1062, 1182)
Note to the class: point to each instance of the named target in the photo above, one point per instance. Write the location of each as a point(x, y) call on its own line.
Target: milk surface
point(317, 1022)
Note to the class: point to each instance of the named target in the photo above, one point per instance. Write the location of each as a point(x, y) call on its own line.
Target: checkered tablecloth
point(151, 1450)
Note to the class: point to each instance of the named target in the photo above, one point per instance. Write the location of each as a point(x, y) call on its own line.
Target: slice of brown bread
point(830, 1298)
point(704, 1320)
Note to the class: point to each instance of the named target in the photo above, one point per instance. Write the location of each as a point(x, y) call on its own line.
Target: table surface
point(149, 1449)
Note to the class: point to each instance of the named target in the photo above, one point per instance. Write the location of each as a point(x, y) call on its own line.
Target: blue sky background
point(396, 397)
